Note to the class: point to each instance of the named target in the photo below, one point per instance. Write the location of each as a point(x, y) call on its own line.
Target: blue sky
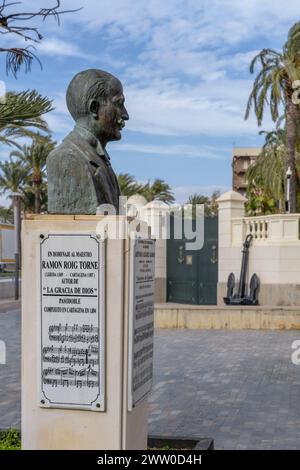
point(184, 68)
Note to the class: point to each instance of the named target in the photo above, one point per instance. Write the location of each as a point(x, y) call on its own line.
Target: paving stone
point(237, 387)
point(242, 381)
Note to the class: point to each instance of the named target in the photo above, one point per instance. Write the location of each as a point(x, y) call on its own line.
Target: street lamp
point(16, 198)
point(288, 175)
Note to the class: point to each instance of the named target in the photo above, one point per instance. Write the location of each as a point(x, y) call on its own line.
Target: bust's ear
point(94, 108)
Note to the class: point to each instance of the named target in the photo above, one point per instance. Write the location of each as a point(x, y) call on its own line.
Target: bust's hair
point(87, 85)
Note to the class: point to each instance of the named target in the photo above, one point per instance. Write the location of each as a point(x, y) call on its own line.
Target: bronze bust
point(80, 176)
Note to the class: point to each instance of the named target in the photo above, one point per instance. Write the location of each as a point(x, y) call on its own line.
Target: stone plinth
point(55, 428)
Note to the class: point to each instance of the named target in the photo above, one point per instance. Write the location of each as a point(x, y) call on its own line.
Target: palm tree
point(210, 204)
point(20, 113)
point(13, 177)
point(158, 190)
point(6, 215)
point(33, 158)
point(213, 202)
point(29, 197)
point(273, 86)
point(128, 185)
point(197, 199)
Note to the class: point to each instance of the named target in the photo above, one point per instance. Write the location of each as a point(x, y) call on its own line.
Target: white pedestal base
point(114, 428)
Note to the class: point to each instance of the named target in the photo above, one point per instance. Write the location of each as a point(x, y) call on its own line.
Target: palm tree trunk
point(37, 181)
point(37, 199)
point(292, 115)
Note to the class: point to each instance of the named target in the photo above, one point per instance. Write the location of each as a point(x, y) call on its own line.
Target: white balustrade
point(270, 229)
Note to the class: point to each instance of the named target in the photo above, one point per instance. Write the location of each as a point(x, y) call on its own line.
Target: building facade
point(242, 158)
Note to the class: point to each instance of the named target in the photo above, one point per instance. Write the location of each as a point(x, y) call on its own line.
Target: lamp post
point(16, 198)
point(288, 182)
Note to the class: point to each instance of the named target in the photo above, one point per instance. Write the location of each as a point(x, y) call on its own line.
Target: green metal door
point(192, 275)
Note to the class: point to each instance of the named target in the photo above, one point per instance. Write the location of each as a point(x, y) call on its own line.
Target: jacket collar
point(93, 141)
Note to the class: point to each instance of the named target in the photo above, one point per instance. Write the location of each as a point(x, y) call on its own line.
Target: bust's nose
point(125, 115)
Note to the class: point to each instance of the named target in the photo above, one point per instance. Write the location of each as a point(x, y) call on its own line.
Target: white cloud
point(174, 34)
point(216, 19)
point(58, 123)
point(58, 47)
point(241, 60)
point(166, 107)
point(192, 151)
point(193, 37)
point(211, 108)
point(179, 59)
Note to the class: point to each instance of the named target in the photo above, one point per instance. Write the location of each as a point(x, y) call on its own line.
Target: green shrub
point(10, 440)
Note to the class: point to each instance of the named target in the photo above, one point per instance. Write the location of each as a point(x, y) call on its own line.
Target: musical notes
point(68, 377)
point(69, 350)
point(68, 372)
point(61, 338)
point(71, 356)
point(77, 333)
point(71, 344)
point(71, 383)
point(73, 328)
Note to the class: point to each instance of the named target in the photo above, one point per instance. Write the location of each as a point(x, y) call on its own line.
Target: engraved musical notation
point(71, 356)
point(69, 350)
point(67, 383)
point(71, 335)
point(70, 377)
point(77, 333)
point(73, 328)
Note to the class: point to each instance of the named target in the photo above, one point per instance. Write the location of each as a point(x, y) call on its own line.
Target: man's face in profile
point(112, 115)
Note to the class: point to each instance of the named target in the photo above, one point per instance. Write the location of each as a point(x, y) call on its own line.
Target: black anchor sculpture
point(240, 298)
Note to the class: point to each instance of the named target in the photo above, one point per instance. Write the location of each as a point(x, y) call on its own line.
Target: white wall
point(274, 253)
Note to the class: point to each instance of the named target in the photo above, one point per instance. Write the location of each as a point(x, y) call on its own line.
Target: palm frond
point(24, 109)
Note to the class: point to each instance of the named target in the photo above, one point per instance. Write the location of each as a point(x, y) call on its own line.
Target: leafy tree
point(273, 87)
point(33, 158)
point(266, 176)
point(260, 204)
point(19, 24)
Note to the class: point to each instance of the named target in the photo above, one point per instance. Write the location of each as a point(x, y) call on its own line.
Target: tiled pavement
point(238, 387)
point(10, 374)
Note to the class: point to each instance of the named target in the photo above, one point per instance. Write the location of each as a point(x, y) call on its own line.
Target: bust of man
point(80, 176)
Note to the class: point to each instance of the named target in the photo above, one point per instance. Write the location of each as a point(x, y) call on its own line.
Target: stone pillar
point(135, 205)
point(156, 214)
point(231, 205)
point(112, 424)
